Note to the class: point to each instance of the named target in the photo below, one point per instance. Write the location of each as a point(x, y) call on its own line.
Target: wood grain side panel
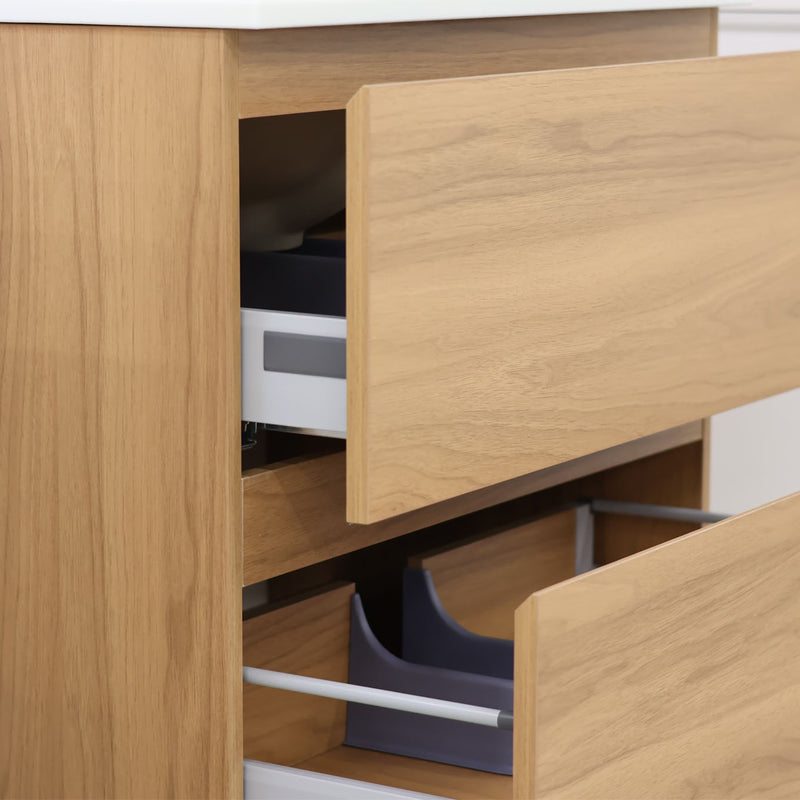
point(120, 515)
point(562, 261)
point(317, 69)
point(308, 637)
point(481, 583)
point(672, 673)
point(294, 513)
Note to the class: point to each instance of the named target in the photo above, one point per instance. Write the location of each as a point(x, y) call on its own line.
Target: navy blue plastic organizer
point(432, 739)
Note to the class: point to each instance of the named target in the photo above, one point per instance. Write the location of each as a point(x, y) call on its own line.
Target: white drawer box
point(294, 336)
point(293, 371)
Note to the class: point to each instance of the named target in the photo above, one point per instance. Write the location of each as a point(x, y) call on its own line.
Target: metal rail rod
point(656, 512)
point(382, 698)
point(584, 539)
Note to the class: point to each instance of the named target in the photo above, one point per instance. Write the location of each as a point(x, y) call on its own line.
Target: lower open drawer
point(668, 674)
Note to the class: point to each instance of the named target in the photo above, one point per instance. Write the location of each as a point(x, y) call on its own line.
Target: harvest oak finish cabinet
point(571, 238)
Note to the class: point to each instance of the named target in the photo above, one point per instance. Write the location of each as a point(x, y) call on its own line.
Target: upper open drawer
point(543, 265)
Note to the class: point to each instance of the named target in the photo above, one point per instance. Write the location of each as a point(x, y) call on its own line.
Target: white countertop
point(305, 13)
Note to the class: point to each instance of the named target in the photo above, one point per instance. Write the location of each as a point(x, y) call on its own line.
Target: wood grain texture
point(294, 513)
point(481, 583)
point(672, 673)
point(317, 69)
point(553, 263)
point(412, 774)
point(310, 636)
point(120, 548)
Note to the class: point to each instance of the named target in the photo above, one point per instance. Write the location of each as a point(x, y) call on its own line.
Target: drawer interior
point(481, 582)
point(310, 636)
point(592, 653)
point(293, 273)
point(306, 630)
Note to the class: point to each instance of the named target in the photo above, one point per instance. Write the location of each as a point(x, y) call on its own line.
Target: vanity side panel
point(120, 500)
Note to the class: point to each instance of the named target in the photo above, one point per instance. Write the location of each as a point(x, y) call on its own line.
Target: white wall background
point(755, 449)
point(760, 27)
point(755, 453)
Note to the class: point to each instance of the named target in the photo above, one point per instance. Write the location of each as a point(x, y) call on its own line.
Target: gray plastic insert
point(301, 354)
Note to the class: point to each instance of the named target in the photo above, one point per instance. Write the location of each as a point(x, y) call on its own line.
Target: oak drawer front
point(670, 674)
point(544, 265)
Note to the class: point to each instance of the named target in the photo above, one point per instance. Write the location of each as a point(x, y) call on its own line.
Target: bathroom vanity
point(571, 237)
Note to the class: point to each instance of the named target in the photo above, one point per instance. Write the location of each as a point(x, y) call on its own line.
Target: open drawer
point(543, 265)
point(669, 674)
point(672, 673)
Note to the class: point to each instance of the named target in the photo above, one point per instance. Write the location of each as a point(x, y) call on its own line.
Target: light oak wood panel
point(442, 780)
point(317, 69)
point(553, 263)
point(670, 674)
point(308, 636)
point(294, 513)
point(481, 583)
point(120, 540)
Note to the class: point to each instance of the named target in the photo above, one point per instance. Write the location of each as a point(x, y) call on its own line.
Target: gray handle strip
point(301, 354)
